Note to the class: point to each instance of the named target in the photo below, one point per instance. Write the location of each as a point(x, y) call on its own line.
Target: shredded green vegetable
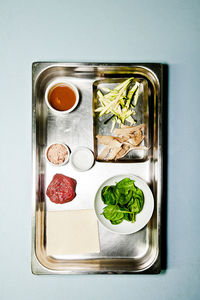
point(119, 102)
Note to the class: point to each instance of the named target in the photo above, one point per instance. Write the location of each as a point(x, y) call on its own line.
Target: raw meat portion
point(61, 189)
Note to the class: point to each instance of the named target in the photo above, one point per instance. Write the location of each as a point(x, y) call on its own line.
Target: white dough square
point(72, 232)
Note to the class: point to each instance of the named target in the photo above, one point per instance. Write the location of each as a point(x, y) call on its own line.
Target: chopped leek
point(120, 102)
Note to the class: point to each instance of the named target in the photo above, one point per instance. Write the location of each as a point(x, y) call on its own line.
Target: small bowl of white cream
point(82, 159)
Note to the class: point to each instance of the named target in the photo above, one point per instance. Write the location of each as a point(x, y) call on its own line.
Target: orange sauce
point(61, 97)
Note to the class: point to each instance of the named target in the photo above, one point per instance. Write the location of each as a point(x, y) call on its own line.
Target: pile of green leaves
point(123, 201)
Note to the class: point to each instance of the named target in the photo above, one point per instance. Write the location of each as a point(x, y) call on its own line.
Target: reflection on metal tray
point(138, 252)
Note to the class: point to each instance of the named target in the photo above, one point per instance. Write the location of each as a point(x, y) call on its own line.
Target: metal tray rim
point(37, 268)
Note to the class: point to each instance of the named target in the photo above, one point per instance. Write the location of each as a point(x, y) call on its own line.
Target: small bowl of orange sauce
point(61, 96)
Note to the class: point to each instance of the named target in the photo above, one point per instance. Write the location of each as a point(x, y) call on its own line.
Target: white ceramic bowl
point(142, 218)
point(56, 82)
point(82, 159)
point(66, 160)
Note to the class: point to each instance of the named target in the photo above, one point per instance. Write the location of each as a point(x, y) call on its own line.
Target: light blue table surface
point(105, 31)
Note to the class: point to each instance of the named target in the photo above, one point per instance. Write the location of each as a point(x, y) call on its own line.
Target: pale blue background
point(110, 31)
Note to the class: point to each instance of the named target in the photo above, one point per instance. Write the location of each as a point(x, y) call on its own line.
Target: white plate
point(141, 219)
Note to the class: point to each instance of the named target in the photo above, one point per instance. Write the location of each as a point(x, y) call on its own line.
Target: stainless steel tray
point(142, 250)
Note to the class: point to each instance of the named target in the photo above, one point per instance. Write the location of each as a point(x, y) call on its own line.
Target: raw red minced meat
point(61, 189)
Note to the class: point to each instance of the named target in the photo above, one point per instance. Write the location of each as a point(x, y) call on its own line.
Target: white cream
point(82, 159)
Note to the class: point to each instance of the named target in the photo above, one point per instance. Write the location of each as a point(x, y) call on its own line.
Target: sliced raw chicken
point(136, 138)
point(104, 153)
point(113, 152)
point(127, 130)
point(129, 138)
point(105, 139)
point(124, 150)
